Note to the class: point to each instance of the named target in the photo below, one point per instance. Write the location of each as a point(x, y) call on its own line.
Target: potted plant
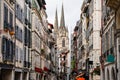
point(96, 71)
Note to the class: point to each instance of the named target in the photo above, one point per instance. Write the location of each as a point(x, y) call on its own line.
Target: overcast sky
point(72, 9)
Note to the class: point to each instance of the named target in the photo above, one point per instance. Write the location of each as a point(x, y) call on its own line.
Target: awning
point(46, 69)
point(39, 70)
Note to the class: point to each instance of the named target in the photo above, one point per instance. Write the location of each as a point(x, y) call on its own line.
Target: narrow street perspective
point(59, 39)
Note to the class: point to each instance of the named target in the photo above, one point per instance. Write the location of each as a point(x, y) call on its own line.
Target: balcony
point(108, 56)
point(113, 3)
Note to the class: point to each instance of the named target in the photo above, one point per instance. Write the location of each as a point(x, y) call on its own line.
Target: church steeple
point(56, 21)
point(62, 21)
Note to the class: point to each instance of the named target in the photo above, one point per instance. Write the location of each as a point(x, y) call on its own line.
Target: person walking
point(80, 77)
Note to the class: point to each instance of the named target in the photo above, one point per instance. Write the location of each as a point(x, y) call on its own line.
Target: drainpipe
point(102, 70)
point(116, 47)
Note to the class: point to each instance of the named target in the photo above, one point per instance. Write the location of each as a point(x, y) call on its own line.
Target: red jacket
point(80, 79)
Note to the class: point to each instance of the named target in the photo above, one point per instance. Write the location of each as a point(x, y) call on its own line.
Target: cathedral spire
point(56, 20)
point(62, 21)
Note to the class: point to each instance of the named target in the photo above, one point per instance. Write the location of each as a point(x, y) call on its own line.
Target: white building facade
point(92, 11)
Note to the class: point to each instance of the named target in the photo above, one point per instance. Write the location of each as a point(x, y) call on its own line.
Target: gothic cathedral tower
point(62, 41)
point(62, 33)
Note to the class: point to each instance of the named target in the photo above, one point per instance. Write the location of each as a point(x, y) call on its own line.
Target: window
point(27, 57)
point(63, 43)
point(27, 37)
point(24, 53)
point(7, 49)
point(19, 34)
point(19, 13)
point(16, 53)
point(21, 55)
point(17, 6)
point(25, 12)
point(5, 16)
point(11, 20)
point(29, 16)
point(10, 50)
point(4, 46)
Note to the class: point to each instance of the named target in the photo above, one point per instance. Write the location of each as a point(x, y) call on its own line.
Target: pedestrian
point(80, 76)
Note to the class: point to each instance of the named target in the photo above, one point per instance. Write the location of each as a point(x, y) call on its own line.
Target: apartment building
point(27, 41)
point(110, 35)
point(81, 41)
point(108, 66)
point(74, 55)
point(7, 39)
point(27, 37)
point(36, 73)
point(92, 11)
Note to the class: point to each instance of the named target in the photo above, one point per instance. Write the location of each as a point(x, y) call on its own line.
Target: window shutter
point(12, 45)
point(11, 21)
point(24, 53)
point(5, 16)
point(3, 47)
point(21, 16)
point(16, 53)
point(8, 49)
point(21, 34)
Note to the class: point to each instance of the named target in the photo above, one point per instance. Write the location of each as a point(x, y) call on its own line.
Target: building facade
point(36, 72)
point(110, 35)
point(7, 39)
point(93, 14)
point(88, 39)
point(81, 41)
point(27, 41)
point(108, 67)
point(74, 53)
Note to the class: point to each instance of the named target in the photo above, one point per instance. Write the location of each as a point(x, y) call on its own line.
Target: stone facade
point(7, 40)
point(112, 70)
point(93, 40)
point(88, 39)
point(27, 41)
